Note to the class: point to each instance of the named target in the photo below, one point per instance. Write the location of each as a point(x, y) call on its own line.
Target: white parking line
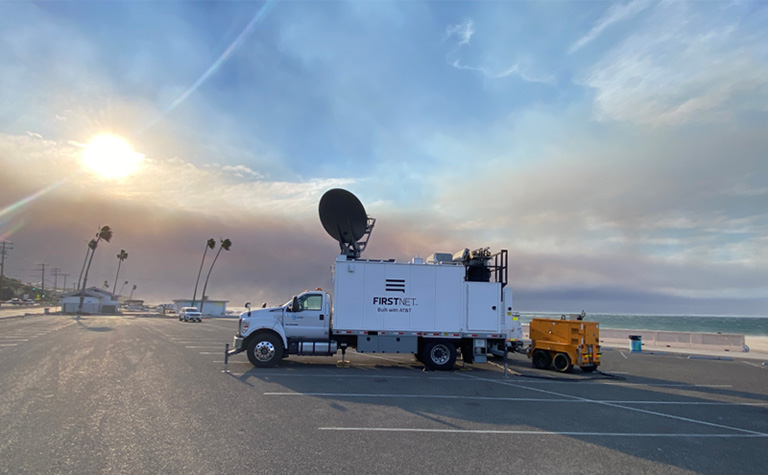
point(201, 347)
point(535, 432)
point(339, 376)
point(8, 344)
point(753, 364)
point(619, 406)
point(516, 399)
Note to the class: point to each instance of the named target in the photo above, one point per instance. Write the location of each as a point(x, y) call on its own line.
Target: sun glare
point(111, 157)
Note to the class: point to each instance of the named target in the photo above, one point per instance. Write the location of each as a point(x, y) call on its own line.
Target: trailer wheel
point(439, 355)
point(562, 363)
point(541, 359)
point(265, 350)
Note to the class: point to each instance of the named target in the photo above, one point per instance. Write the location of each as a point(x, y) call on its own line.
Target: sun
point(111, 156)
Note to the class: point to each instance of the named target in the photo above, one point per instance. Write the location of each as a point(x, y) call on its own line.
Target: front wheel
point(265, 350)
point(439, 355)
point(541, 359)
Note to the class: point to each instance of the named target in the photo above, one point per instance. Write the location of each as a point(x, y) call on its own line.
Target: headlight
point(243, 326)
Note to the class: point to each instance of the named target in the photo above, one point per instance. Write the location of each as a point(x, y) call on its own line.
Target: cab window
point(310, 302)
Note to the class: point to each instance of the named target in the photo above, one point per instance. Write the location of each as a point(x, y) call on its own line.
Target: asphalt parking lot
point(138, 395)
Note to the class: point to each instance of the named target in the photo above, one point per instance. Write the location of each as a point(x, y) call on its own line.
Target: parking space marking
point(201, 347)
point(762, 366)
point(384, 358)
point(340, 376)
point(418, 396)
point(619, 406)
point(516, 399)
point(536, 433)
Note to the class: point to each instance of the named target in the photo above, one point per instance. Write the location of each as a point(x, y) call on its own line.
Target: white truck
point(434, 308)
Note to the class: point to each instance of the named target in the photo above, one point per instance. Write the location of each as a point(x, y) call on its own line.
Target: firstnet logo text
point(395, 301)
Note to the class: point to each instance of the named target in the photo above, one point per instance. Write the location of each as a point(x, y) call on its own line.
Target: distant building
point(95, 301)
point(216, 308)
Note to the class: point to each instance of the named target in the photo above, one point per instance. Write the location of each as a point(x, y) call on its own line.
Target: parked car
point(190, 314)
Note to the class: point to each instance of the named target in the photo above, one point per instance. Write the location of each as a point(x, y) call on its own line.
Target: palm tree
point(104, 234)
point(120, 258)
point(122, 287)
point(225, 244)
point(210, 243)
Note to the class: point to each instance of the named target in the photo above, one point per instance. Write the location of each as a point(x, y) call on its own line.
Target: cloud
point(462, 32)
point(513, 70)
point(683, 65)
point(617, 13)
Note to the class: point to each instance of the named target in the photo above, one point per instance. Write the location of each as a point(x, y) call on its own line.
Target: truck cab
point(299, 326)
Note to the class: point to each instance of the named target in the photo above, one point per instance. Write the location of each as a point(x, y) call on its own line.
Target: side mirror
point(248, 306)
point(294, 305)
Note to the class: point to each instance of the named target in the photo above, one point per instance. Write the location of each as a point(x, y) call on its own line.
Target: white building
point(214, 308)
point(95, 301)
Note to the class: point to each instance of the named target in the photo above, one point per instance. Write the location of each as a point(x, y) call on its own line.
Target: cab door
point(309, 319)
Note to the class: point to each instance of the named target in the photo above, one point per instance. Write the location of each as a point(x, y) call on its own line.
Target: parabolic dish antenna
point(343, 217)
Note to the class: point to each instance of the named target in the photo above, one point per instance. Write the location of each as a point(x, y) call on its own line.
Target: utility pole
point(6, 246)
point(64, 287)
point(42, 279)
point(55, 272)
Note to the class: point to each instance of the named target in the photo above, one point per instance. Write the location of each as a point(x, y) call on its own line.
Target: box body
point(414, 298)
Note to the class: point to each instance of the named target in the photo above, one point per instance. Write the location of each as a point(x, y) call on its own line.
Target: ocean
point(753, 326)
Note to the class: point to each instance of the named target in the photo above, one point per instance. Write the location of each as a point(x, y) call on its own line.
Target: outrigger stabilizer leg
point(227, 353)
point(343, 363)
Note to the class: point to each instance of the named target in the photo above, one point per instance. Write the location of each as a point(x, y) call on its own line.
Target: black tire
point(588, 369)
point(541, 359)
point(562, 362)
point(439, 355)
point(265, 350)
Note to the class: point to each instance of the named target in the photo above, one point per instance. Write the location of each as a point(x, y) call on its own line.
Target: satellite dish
point(343, 217)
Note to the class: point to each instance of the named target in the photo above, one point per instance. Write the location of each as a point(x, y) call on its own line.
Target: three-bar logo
point(395, 285)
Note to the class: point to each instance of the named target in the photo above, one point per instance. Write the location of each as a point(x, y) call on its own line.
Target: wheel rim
point(440, 354)
point(264, 351)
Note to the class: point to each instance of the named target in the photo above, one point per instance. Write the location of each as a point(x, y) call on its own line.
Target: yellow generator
point(563, 344)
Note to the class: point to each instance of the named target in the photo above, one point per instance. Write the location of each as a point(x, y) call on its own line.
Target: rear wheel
point(562, 363)
point(541, 359)
point(439, 355)
point(265, 350)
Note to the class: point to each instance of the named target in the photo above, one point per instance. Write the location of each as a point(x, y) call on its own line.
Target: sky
point(618, 150)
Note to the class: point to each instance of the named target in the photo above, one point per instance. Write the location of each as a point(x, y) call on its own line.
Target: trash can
point(635, 343)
